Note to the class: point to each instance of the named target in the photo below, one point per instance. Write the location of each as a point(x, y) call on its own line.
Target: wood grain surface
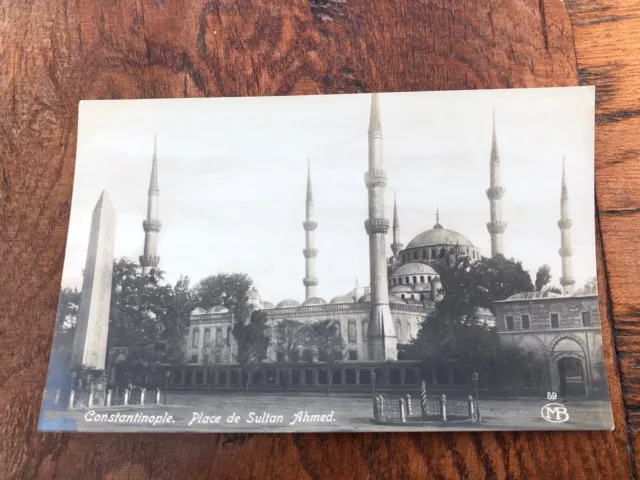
point(55, 53)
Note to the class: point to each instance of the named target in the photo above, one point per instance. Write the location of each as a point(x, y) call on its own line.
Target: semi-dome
point(395, 299)
point(198, 311)
point(405, 288)
point(533, 295)
point(267, 305)
point(439, 235)
point(218, 309)
point(414, 268)
point(288, 304)
point(314, 301)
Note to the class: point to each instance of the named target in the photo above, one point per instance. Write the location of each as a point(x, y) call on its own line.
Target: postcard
point(418, 261)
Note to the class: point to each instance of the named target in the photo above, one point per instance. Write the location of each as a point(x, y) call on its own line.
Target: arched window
point(400, 281)
point(351, 332)
point(429, 279)
point(207, 337)
point(415, 280)
point(228, 336)
point(218, 336)
point(196, 338)
point(443, 252)
point(415, 255)
point(365, 330)
point(402, 296)
point(421, 278)
point(406, 280)
point(422, 296)
point(398, 329)
point(408, 330)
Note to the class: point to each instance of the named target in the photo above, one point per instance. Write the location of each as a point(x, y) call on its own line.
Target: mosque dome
point(439, 235)
point(533, 295)
point(314, 301)
point(288, 304)
point(267, 305)
point(402, 289)
point(198, 311)
point(392, 299)
point(414, 268)
point(218, 309)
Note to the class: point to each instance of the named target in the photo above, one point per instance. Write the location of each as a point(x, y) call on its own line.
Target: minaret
point(495, 193)
point(150, 259)
point(396, 246)
point(310, 281)
point(566, 252)
point(382, 334)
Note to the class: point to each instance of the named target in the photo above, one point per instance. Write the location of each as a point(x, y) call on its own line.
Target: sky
point(232, 178)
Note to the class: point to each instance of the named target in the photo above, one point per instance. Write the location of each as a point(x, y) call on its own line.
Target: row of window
point(525, 323)
point(407, 280)
point(433, 253)
point(195, 337)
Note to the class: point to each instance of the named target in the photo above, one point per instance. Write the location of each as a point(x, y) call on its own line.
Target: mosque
point(376, 321)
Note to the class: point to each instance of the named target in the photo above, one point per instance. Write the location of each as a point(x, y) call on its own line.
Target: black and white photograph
point(419, 261)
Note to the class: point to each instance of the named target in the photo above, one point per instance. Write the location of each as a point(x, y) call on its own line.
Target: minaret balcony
point(150, 261)
point(564, 223)
point(375, 178)
point(152, 225)
point(310, 281)
point(495, 193)
point(565, 251)
point(566, 281)
point(310, 252)
point(310, 225)
point(376, 225)
point(496, 227)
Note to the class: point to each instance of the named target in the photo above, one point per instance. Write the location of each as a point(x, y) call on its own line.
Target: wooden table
point(54, 53)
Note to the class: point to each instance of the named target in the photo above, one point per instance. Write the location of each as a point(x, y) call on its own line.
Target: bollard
point(373, 384)
point(470, 400)
point(408, 405)
point(383, 414)
point(157, 396)
point(142, 392)
point(126, 397)
point(443, 407)
point(56, 399)
point(403, 416)
point(72, 395)
point(107, 401)
point(377, 407)
point(423, 400)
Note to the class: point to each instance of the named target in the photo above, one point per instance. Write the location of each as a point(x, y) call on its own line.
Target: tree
point(453, 330)
point(326, 340)
point(225, 289)
point(253, 340)
point(148, 318)
point(66, 320)
point(291, 336)
point(543, 279)
point(590, 286)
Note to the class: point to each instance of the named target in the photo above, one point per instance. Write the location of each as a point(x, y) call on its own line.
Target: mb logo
point(555, 413)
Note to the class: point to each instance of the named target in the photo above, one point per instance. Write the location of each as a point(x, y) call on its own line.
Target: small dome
point(439, 235)
point(346, 298)
point(267, 305)
point(314, 301)
point(533, 295)
point(365, 298)
point(414, 268)
point(288, 304)
point(198, 311)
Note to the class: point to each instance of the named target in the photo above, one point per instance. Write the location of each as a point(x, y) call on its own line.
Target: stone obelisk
point(92, 329)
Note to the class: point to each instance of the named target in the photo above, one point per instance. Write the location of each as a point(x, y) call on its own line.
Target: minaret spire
point(150, 259)
point(382, 334)
point(495, 192)
point(396, 246)
point(567, 281)
point(310, 252)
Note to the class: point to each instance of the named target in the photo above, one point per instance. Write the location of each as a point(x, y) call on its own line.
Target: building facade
point(564, 336)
